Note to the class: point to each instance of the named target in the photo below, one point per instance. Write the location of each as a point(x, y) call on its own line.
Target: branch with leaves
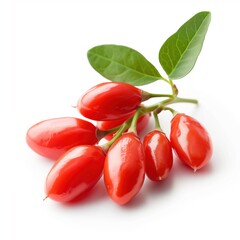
point(177, 56)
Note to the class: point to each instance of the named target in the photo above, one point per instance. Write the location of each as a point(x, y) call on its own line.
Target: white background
point(43, 72)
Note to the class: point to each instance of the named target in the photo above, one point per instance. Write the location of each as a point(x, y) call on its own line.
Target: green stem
point(174, 88)
point(173, 111)
point(133, 127)
point(165, 80)
point(120, 131)
point(157, 123)
point(147, 95)
point(171, 83)
point(102, 133)
point(186, 100)
point(160, 95)
point(161, 105)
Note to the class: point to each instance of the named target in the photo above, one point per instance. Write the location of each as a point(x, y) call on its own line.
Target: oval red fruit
point(53, 137)
point(158, 155)
point(109, 101)
point(124, 168)
point(75, 173)
point(190, 141)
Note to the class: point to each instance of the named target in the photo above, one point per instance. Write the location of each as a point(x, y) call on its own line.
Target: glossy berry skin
point(124, 168)
point(106, 125)
point(158, 155)
point(190, 141)
point(109, 101)
point(53, 137)
point(75, 173)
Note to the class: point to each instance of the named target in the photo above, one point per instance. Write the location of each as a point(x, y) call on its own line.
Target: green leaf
point(179, 53)
point(122, 64)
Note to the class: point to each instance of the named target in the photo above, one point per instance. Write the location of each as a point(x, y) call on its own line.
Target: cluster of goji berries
point(117, 107)
point(125, 159)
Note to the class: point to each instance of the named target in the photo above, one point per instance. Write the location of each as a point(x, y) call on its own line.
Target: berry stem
point(133, 127)
point(160, 95)
point(165, 80)
point(186, 100)
point(174, 88)
point(121, 129)
point(157, 123)
point(102, 133)
point(162, 105)
point(45, 197)
point(173, 111)
point(147, 95)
